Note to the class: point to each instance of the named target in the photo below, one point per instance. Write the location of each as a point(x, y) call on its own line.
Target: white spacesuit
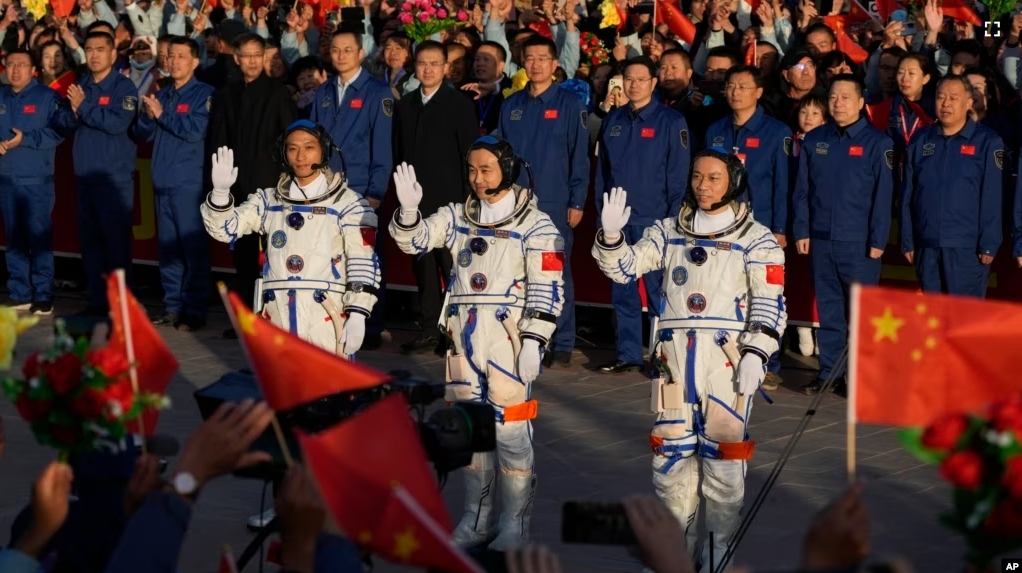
point(723, 284)
point(504, 296)
point(321, 274)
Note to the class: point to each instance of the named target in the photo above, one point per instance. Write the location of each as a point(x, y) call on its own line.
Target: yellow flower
point(11, 325)
point(518, 82)
point(37, 8)
point(611, 17)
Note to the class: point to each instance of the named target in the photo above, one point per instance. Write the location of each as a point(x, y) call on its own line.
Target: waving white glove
point(615, 213)
point(528, 360)
point(409, 192)
point(354, 333)
point(224, 175)
point(750, 374)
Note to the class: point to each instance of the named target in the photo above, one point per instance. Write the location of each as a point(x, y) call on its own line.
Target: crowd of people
point(775, 141)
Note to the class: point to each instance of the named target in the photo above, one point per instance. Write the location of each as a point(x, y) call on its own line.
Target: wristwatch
point(759, 327)
point(185, 485)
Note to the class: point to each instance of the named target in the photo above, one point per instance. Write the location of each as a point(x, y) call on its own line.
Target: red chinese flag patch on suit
point(182, 108)
point(775, 274)
point(752, 142)
point(553, 261)
point(368, 236)
point(103, 100)
point(550, 114)
point(356, 104)
point(968, 150)
point(28, 109)
point(647, 132)
point(855, 151)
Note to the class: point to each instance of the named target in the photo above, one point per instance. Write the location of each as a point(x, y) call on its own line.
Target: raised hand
point(224, 173)
point(409, 192)
point(615, 213)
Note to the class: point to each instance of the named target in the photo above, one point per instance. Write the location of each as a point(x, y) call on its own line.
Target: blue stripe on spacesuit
point(623, 269)
point(690, 369)
point(292, 312)
point(706, 243)
point(466, 343)
point(509, 374)
point(738, 308)
point(490, 233)
point(726, 407)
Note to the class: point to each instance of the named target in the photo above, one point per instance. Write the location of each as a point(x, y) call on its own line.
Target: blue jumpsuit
point(549, 132)
point(177, 169)
point(26, 191)
point(842, 204)
point(647, 153)
point(104, 158)
point(951, 207)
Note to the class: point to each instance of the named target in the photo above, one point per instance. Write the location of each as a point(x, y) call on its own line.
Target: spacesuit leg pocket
point(504, 388)
point(459, 378)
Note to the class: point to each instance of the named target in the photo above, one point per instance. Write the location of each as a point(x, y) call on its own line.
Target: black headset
point(510, 164)
point(326, 143)
point(736, 174)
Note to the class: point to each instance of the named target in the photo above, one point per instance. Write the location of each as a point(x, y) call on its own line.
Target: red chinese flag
point(359, 464)
point(754, 4)
point(750, 54)
point(227, 563)
point(857, 14)
point(66, 80)
point(62, 8)
point(915, 357)
point(957, 10)
point(844, 43)
point(885, 8)
point(154, 362)
point(669, 13)
point(282, 363)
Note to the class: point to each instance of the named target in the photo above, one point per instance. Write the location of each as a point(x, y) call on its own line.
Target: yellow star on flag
point(405, 544)
point(887, 326)
point(365, 537)
point(247, 320)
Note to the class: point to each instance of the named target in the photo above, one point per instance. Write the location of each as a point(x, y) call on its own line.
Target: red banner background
point(591, 287)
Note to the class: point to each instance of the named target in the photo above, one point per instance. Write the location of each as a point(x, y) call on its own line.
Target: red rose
point(1005, 520)
point(89, 405)
point(596, 61)
point(945, 432)
point(32, 410)
point(110, 362)
point(1007, 416)
point(963, 470)
point(120, 394)
point(66, 435)
point(64, 374)
point(31, 366)
point(594, 41)
point(1012, 478)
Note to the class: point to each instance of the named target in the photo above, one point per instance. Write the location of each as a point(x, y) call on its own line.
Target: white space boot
point(722, 521)
point(477, 521)
point(517, 494)
point(805, 341)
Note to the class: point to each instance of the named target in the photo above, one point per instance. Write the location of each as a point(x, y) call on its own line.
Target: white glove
point(528, 360)
point(409, 192)
point(354, 333)
point(224, 175)
point(750, 374)
point(615, 213)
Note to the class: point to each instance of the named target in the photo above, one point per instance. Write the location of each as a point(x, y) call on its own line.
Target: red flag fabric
point(66, 80)
point(154, 362)
point(669, 13)
point(62, 8)
point(915, 357)
point(885, 8)
point(359, 464)
point(845, 43)
point(750, 54)
point(754, 4)
point(292, 371)
point(227, 563)
point(857, 14)
point(957, 10)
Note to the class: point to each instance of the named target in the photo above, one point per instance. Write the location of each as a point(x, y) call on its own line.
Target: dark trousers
point(374, 324)
point(183, 250)
point(429, 269)
point(628, 305)
point(27, 206)
point(104, 227)
point(246, 266)
point(952, 271)
point(564, 337)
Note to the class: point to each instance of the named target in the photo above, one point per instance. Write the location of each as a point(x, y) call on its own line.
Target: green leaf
point(911, 439)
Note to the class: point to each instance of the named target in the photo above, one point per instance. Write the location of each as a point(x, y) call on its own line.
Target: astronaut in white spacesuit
point(722, 315)
point(321, 274)
point(504, 296)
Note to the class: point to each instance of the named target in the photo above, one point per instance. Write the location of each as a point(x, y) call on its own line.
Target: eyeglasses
point(638, 80)
point(538, 59)
point(738, 88)
point(295, 221)
point(433, 65)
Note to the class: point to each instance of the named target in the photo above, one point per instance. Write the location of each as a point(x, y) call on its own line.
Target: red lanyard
point(904, 126)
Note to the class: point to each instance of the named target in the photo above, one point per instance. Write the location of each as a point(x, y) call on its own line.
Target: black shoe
point(420, 344)
point(372, 341)
point(841, 387)
point(442, 346)
point(562, 358)
point(189, 323)
point(548, 359)
point(619, 366)
point(169, 319)
point(817, 385)
point(41, 308)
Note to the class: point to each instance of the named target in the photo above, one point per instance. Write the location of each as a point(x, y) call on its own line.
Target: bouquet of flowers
point(593, 50)
point(76, 397)
point(421, 19)
point(981, 457)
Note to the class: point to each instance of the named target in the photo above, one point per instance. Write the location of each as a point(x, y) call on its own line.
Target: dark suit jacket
point(434, 138)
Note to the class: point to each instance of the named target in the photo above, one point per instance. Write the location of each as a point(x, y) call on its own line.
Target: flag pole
point(129, 347)
point(853, 364)
point(277, 430)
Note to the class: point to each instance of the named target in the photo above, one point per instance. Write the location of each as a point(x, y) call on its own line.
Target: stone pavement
point(591, 444)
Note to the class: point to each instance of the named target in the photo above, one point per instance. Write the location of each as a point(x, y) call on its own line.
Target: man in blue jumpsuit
point(26, 183)
point(842, 205)
point(644, 147)
point(177, 117)
point(951, 197)
point(357, 110)
point(547, 127)
point(764, 145)
point(100, 109)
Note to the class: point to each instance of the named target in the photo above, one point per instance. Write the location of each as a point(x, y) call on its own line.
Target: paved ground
point(591, 443)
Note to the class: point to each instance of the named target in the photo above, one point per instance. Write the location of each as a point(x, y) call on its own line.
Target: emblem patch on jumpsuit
point(788, 146)
point(999, 158)
point(928, 149)
point(129, 103)
point(388, 107)
point(679, 275)
point(295, 264)
point(464, 258)
point(684, 138)
point(478, 282)
point(209, 103)
point(278, 239)
point(889, 154)
point(696, 303)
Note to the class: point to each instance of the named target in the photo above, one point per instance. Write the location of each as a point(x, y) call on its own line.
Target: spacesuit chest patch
point(478, 282)
point(696, 303)
point(295, 264)
point(464, 258)
point(278, 239)
point(679, 275)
